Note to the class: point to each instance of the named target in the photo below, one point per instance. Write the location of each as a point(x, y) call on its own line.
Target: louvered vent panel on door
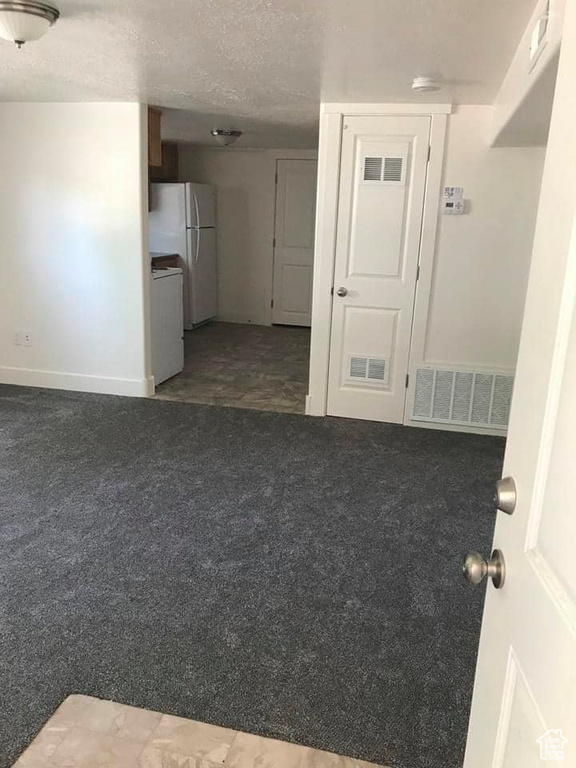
point(462, 397)
point(358, 367)
point(393, 169)
point(373, 169)
point(368, 370)
point(385, 170)
point(376, 369)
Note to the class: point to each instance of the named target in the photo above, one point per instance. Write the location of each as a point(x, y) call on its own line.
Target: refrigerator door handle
point(188, 298)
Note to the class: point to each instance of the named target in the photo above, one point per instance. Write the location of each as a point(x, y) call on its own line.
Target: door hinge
point(418, 273)
point(274, 243)
point(276, 179)
point(332, 291)
point(407, 380)
point(429, 151)
point(272, 303)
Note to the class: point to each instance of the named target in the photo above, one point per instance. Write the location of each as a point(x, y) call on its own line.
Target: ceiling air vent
point(383, 170)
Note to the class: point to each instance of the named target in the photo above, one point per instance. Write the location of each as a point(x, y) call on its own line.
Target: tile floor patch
point(157, 758)
point(85, 732)
point(243, 366)
point(193, 739)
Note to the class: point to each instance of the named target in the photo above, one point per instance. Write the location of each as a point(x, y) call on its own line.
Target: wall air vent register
point(462, 397)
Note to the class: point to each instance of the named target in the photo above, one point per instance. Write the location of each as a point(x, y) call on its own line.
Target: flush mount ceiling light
point(426, 84)
point(26, 20)
point(225, 137)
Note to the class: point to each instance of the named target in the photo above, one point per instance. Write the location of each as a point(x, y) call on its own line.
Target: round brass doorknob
point(342, 292)
point(476, 568)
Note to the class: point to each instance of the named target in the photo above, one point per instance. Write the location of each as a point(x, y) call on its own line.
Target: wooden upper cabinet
point(168, 171)
point(154, 137)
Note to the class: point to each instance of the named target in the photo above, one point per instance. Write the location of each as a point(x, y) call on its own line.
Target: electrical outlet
point(22, 338)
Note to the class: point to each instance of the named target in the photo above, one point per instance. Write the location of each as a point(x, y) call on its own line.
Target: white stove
point(167, 323)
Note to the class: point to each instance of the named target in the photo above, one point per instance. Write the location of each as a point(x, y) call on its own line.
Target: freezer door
point(201, 205)
point(202, 275)
point(167, 218)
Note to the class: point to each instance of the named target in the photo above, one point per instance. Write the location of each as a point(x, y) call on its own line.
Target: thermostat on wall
point(452, 202)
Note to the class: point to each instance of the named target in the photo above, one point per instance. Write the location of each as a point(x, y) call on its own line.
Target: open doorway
point(239, 224)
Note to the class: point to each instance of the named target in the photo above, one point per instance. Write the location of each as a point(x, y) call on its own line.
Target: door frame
point(331, 122)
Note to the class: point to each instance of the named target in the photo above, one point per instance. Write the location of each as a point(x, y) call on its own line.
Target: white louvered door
point(382, 186)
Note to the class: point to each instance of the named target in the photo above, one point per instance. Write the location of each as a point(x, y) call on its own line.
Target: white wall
point(474, 273)
point(73, 213)
point(245, 211)
point(517, 117)
point(482, 258)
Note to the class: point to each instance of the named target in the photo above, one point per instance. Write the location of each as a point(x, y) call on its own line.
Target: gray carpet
point(288, 576)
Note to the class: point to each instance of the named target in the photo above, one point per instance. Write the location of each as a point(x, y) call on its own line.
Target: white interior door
point(294, 241)
point(524, 704)
point(382, 185)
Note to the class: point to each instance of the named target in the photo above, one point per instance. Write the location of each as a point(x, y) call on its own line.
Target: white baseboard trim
point(314, 407)
point(442, 426)
point(77, 382)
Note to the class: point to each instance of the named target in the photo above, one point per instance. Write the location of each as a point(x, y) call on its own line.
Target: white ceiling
point(263, 65)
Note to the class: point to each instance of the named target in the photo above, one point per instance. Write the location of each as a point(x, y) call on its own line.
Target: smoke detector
point(426, 84)
point(225, 136)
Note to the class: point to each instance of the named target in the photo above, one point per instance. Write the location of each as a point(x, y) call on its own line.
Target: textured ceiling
point(263, 65)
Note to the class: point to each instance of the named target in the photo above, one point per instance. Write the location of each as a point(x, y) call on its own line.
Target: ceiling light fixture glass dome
point(226, 136)
point(22, 21)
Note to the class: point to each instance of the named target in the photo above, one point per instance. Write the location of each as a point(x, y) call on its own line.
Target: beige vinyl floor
point(85, 732)
point(243, 366)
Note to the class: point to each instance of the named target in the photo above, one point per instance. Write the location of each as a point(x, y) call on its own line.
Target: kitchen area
point(182, 241)
point(199, 353)
point(182, 244)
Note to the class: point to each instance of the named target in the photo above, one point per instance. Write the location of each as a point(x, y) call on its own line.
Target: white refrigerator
point(183, 221)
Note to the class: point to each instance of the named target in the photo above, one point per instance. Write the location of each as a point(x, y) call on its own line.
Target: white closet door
point(382, 184)
point(294, 241)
